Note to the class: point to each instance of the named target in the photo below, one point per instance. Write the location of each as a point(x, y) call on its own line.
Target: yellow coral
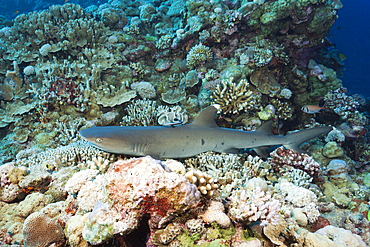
point(205, 183)
point(233, 97)
point(197, 55)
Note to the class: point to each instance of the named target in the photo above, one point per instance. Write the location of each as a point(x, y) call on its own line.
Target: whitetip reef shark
point(202, 135)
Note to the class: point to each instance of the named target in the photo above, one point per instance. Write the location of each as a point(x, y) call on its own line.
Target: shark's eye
point(98, 140)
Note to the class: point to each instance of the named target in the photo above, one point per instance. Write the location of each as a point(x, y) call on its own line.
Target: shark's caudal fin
point(207, 117)
point(294, 140)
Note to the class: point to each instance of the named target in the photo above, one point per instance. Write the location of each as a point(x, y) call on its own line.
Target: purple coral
point(288, 157)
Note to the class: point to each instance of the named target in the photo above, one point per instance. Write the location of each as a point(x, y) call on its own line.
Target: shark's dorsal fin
point(207, 117)
point(266, 128)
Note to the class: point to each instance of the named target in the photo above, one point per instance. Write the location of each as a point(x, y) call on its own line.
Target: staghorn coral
point(234, 98)
point(226, 168)
point(140, 113)
point(41, 231)
point(198, 54)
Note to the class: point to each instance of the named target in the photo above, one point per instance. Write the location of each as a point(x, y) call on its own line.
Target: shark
point(202, 135)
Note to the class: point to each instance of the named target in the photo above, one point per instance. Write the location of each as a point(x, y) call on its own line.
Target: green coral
point(215, 237)
point(97, 233)
point(321, 88)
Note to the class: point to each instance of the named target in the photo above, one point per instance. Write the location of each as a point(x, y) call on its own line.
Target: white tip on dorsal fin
point(207, 117)
point(266, 128)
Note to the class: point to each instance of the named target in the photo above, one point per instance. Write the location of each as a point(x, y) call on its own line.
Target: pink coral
point(289, 157)
point(138, 187)
point(9, 191)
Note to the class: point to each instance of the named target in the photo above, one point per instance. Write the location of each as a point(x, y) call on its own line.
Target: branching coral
point(76, 153)
point(233, 97)
point(254, 205)
point(198, 54)
point(289, 157)
point(283, 110)
point(205, 183)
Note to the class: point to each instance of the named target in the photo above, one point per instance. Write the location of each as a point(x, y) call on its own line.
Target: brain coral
point(41, 231)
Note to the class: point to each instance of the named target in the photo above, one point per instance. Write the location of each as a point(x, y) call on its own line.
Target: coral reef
point(144, 63)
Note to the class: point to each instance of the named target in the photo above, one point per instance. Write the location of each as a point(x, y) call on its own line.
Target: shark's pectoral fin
point(295, 147)
point(261, 151)
point(231, 151)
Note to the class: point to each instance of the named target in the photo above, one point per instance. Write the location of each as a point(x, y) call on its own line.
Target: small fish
point(16, 12)
point(312, 109)
point(338, 28)
point(342, 56)
point(65, 1)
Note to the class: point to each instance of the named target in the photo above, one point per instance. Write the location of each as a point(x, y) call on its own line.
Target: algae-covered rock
point(332, 150)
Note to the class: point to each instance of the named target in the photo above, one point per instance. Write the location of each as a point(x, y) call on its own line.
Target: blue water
point(350, 33)
point(9, 7)
point(353, 40)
